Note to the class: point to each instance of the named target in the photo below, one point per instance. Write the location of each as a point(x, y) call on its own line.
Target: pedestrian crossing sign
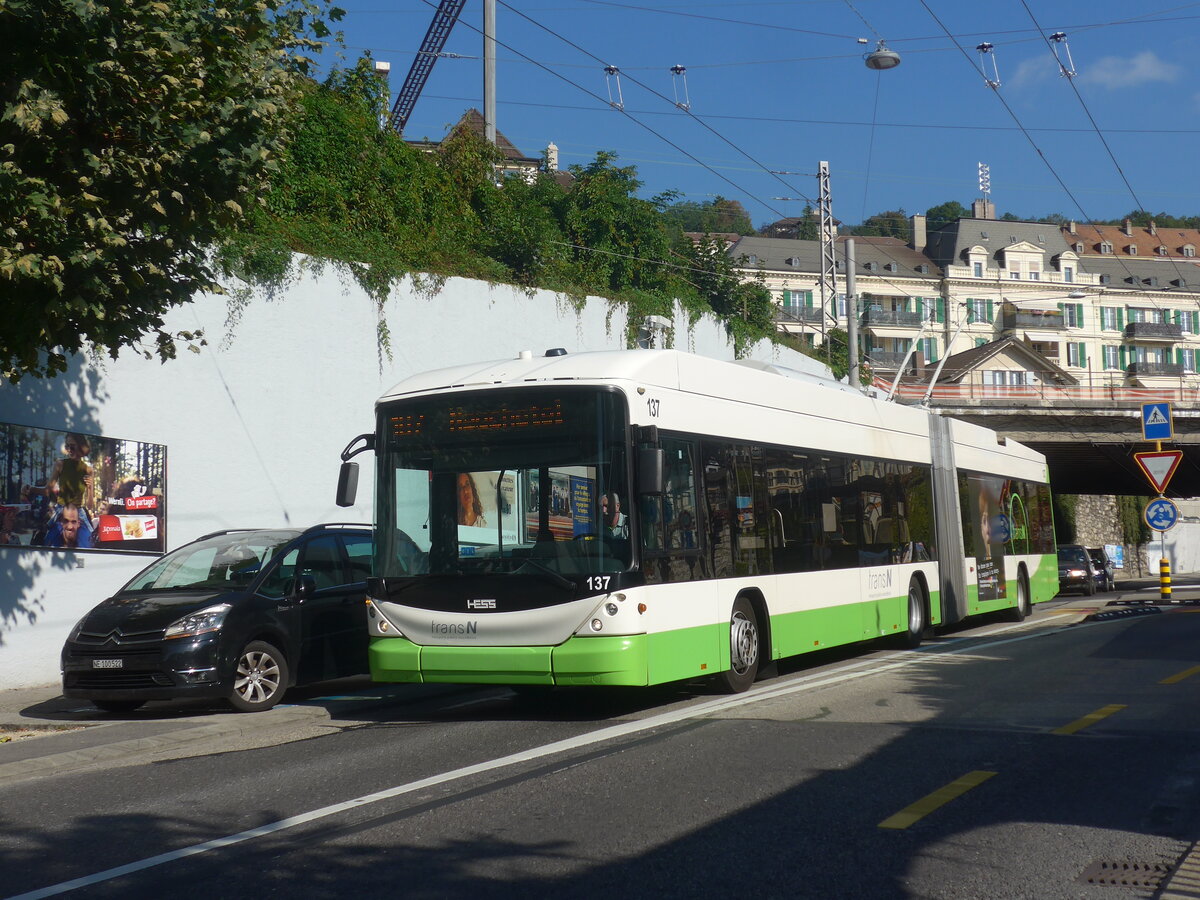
point(1156, 422)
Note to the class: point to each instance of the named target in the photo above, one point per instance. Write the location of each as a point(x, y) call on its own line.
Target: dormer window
point(891, 267)
point(1189, 250)
point(752, 259)
point(1106, 247)
point(1079, 248)
point(870, 266)
point(923, 269)
point(793, 261)
point(1105, 279)
point(1161, 251)
point(1131, 249)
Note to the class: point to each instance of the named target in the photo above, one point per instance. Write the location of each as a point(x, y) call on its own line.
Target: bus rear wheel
point(1023, 607)
point(744, 646)
point(918, 621)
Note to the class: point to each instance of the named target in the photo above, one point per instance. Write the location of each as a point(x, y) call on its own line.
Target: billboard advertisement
point(72, 491)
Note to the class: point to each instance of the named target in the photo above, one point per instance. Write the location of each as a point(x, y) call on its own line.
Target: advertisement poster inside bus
point(989, 529)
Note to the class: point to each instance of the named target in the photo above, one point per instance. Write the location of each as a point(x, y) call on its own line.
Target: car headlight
point(198, 623)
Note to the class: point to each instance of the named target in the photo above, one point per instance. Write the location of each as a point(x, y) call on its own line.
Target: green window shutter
point(1122, 352)
point(1179, 355)
point(1177, 314)
point(940, 313)
point(1082, 355)
point(1079, 314)
point(1061, 311)
point(904, 303)
point(991, 315)
point(808, 299)
point(1120, 318)
point(787, 299)
point(979, 342)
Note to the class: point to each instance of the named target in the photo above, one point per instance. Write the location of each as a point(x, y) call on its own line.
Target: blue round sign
point(1161, 514)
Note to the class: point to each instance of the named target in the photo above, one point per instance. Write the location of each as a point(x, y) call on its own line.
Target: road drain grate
point(1126, 874)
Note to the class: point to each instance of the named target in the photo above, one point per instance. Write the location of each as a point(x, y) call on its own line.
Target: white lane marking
point(849, 673)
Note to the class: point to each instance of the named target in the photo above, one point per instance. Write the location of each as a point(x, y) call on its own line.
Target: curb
point(57, 762)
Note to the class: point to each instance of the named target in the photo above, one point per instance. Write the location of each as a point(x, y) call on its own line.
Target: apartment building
point(1103, 307)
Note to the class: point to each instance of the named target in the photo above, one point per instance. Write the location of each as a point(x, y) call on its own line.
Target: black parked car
point(1075, 570)
point(1103, 568)
point(239, 615)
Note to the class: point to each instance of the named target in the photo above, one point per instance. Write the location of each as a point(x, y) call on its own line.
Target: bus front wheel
point(744, 644)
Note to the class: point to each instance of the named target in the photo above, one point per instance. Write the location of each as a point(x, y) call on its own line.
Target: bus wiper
point(551, 575)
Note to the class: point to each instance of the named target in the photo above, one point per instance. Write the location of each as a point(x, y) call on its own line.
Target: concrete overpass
point(1089, 445)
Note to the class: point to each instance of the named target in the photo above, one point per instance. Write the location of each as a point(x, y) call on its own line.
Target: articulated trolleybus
point(644, 516)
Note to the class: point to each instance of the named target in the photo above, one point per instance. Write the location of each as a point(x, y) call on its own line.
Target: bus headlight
point(597, 625)
point(611, 608)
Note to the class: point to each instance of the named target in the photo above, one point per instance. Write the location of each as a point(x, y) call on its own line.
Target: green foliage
point(1133, 525)
point(1064, 507)
point(891, 223)
point(945, 213)
point(715, 216)
point(131, 135)
point(362, 198)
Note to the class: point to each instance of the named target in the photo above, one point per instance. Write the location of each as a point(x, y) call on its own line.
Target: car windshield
point(1070, 556)
point(225, 562)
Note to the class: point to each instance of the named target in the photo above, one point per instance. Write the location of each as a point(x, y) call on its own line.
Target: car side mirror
point(347, 487)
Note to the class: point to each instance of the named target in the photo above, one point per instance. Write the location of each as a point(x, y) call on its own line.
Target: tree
point(891, 223)
point(945, 213)
point(718, 215)
point(131, 134)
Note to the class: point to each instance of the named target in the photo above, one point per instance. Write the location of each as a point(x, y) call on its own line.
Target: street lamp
point(881, 58)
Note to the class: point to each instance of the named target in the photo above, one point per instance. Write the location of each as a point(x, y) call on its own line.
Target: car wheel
point(744, 645)
point(260, 679)
point(1089, 587)
point(118, 706)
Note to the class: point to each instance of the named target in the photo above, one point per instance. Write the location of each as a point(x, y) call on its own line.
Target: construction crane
point(431, 48)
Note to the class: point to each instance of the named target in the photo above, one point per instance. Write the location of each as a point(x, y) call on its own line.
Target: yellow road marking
point(938, 798)
point(1090, 719)
point(1179, 676)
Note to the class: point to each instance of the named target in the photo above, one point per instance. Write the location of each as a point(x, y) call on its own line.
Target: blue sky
point(779, 85)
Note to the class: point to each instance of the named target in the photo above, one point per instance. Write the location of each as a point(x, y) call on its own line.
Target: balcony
point(1016, 320)
point(887, 360)
point(873, 316)
point(1154, 369)
point(1153, 331)
point(804, 315)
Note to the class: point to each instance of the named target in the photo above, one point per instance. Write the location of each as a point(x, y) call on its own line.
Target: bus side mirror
point(650, 470)
point(347, 488)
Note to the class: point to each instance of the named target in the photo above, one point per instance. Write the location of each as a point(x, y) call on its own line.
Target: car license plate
point(108, 663)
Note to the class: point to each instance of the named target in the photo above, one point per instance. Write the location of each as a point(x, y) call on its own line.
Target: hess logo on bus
point(481, 604)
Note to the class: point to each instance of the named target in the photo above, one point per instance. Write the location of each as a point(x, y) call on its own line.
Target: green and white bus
point(645, 516)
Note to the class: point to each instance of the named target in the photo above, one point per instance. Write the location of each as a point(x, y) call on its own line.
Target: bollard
point(1164, 578)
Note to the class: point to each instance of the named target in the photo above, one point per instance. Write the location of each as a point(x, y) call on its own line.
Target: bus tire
point(918, 618)
point(745, 646)
point(1023, 606)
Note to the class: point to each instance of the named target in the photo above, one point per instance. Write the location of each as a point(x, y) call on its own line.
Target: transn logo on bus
point(481, 604)
point(453, 627)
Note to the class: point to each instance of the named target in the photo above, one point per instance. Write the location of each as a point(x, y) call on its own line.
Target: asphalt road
point(998, 761)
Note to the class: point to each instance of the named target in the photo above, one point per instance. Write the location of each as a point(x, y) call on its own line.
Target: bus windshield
point(529, 481)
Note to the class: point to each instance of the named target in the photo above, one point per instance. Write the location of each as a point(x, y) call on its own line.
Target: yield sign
point(1159, 466)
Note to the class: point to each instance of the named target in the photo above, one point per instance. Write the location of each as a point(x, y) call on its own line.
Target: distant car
point(1103, 569)
point(1075, 570)
point(238, 615)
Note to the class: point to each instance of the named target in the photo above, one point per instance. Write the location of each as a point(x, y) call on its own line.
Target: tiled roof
point(879, 256)
point(1147, 243)
point(948, 245)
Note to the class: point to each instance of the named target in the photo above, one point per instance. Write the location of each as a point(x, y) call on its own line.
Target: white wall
point(254, 425)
